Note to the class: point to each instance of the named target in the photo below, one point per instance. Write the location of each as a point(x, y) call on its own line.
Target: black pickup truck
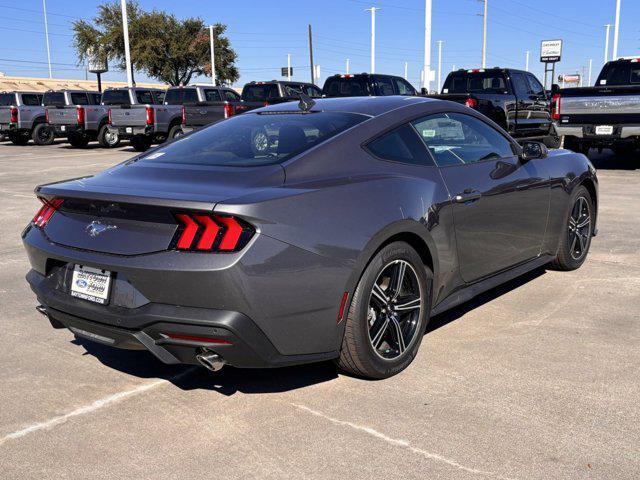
point(604, 116)
point(514, 99)
point(261, 94)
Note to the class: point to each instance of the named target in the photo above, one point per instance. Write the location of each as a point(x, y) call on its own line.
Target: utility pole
point(426, 68)
point(453, 67)
point(373, 37)
point(313, 73)
point(406, 70)
point(46, 34)
point(484, 36)
point(347, 69)
point(213, 56)
point(590, 65)
point(616, 29)
point(127, 53)
point(289, 66)
point(440, 42)
point(606, 42)
point(526, 63)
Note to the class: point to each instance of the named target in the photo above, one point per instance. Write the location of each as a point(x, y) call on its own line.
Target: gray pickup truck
point(78, 116)
point(22, 118)
point(203, 104)
point(606, 115)
point(140, 115)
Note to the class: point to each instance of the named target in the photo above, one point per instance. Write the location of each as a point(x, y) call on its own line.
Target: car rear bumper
point(587, 133)
point(126, 133)
point(173, 334)
point(62, 130)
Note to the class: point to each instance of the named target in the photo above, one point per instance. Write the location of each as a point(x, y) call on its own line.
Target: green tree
point(162, 46)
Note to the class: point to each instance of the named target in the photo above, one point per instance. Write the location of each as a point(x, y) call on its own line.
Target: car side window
point(190, 96)
point(31, 99)
point(400, 145)
point(231, 96)
point(520, 84)
point(95, 98)
point(458, 139)
point(144, 96)
point(403, 87)
point(536, 86)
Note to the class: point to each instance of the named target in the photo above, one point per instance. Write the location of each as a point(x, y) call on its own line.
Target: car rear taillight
point(229, 111)
point(150, 116)
point(47, 210)
point(204, 232)
point(266, 104)
point(80, 115)
point(471, 102)
point(109, 117)
point(555, 106)
point(14, 115)
point(184, 116)
point(46, 115)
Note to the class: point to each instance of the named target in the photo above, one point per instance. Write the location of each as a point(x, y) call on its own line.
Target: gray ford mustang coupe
point(306, 232)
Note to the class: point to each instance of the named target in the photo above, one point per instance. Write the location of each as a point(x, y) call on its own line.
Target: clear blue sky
point(263, 32)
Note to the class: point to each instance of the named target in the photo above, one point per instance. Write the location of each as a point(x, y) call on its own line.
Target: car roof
point(371, 106)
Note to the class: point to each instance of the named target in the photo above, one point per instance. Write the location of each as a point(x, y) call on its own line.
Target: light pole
point(606, 42)
point(46, 34)
point(484, 36)
point(347, 67)
point(127, 53)
point(426, 68)
point(440, 42)
point(616, 29)
point(526, 63)
point(590, 65)
point(213, 56)
point(406, 70)
point(373, 37)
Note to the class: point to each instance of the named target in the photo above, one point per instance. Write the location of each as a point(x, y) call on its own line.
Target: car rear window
point(53, 99)
point(345, 87)
point(116, 97)
point(144, 96)
point(475, 82)
point(255, 139)
point(294, 90)
point(620, 73)
point(79, 99)
point(7, 99)
point(31, 99)
point(260, 93)
point(180, 96)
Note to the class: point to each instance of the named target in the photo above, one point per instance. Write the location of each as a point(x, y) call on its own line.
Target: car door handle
point(468, 196)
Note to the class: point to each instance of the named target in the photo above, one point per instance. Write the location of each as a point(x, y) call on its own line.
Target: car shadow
point(230, 380)
point(227, 381)
point(607, 160)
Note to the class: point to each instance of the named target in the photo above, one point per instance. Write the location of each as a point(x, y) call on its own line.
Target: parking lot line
point(398, 442)
point(92, 407)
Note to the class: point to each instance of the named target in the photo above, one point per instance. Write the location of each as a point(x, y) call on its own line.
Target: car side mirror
point(533, 150)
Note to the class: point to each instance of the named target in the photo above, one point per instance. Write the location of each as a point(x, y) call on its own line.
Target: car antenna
point(306, 103)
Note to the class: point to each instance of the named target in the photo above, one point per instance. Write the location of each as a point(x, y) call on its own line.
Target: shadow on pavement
point(607, 160)
point(227, 381)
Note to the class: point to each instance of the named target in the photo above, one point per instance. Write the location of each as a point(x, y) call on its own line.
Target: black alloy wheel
point(579, 230)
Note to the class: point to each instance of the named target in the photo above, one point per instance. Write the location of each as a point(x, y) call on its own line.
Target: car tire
point(43, 134)
point(174, 132)
point(575, 238)
point(19, 139)
point(78, 141)
point(106, 139)
point(141, 144)
point(376, 320)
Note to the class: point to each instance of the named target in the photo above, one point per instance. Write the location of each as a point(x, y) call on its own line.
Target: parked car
point(22, 118)
point(514, 99)
point(78, 116)
point(339, 240)
point(366, 84)
point(204, 104)
point(604, 116)
point(260, 94)
point(140, 116)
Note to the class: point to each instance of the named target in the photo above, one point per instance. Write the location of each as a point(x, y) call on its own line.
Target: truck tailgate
point(5, 114)
point(600, 105)
point(201, 115)
point(62, 115)
point(128, 117)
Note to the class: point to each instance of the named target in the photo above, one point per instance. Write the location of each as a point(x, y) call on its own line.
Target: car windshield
point(255, 139)
point(53, 99)
point(116, 97)
point(475, 82)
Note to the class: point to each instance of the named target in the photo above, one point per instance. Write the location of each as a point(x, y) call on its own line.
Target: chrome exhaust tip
point(210, 360)
point(42, 309)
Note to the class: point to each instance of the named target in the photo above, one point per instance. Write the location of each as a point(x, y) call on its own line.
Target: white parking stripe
point(92, 407)
point(399, 443)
